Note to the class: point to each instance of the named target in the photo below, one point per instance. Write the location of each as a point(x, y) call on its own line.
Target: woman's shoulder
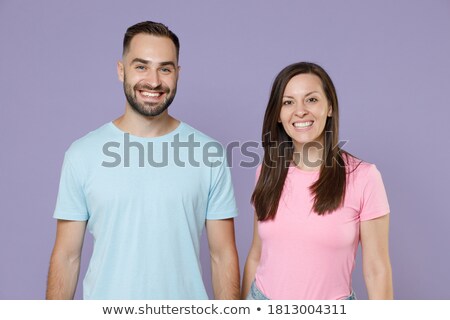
point(360, 169)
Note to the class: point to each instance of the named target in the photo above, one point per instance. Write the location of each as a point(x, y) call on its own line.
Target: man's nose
point(153, 78)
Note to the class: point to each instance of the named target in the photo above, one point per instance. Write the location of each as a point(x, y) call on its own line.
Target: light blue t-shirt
point(146, 201)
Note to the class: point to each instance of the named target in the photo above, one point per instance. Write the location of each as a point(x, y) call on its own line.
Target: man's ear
point(120, 71)
point(178, 71)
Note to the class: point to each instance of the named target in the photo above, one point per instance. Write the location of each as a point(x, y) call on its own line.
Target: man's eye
point(165, 70)
point(140, 67)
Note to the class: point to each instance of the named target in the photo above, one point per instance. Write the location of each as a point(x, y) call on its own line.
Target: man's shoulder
point(90, 141)
point(199, 136)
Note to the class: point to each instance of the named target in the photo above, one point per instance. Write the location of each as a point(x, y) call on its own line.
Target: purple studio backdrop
point(389, 61)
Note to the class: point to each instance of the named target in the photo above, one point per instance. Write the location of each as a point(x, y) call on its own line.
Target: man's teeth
point(150, 94)
point(303, 124)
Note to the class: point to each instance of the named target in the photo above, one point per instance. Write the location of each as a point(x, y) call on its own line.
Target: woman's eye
point(287, 102)
point(312, 99)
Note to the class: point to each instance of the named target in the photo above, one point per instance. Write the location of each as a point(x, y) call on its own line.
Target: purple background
point(389, 61)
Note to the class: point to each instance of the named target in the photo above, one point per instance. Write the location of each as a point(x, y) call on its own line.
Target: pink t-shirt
point(306, 256)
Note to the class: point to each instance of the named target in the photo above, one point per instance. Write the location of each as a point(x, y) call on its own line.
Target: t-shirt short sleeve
point(374, 199)
point(221, 202)
point(71, 202)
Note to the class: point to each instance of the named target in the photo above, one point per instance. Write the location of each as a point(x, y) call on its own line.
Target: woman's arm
point(252, 261)
point(375, 255)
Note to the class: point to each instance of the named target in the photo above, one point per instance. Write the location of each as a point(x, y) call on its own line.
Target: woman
point(313, 201)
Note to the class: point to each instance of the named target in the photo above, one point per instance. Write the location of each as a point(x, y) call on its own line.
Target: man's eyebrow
point(143, 61)
point(167, 63)
point(139, 60)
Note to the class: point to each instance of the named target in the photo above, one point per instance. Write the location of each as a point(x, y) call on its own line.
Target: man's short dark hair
point(151, 28)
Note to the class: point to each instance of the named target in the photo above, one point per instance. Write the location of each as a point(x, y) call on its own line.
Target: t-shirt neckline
point(134, 137)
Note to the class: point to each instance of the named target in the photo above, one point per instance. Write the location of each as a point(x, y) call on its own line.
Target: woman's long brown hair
point(329, 190)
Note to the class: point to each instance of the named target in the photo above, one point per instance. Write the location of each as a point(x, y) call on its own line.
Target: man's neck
point(146, 127)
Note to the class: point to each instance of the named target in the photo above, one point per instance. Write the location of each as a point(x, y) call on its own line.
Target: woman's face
point(304, 110)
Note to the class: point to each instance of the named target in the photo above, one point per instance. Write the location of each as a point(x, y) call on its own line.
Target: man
point(146, 216)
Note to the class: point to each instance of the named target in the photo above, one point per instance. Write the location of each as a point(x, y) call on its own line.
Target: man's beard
point(148, 109)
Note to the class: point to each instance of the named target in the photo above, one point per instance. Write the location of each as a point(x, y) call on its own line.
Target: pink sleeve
point(374, 199)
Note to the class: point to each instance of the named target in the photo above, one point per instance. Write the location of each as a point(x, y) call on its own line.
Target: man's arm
point(224, 258)
point(252, 262)
point(65, 260)
point(375, 255)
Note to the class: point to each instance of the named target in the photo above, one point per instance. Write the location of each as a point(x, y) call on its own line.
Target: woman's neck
point(309, 156)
